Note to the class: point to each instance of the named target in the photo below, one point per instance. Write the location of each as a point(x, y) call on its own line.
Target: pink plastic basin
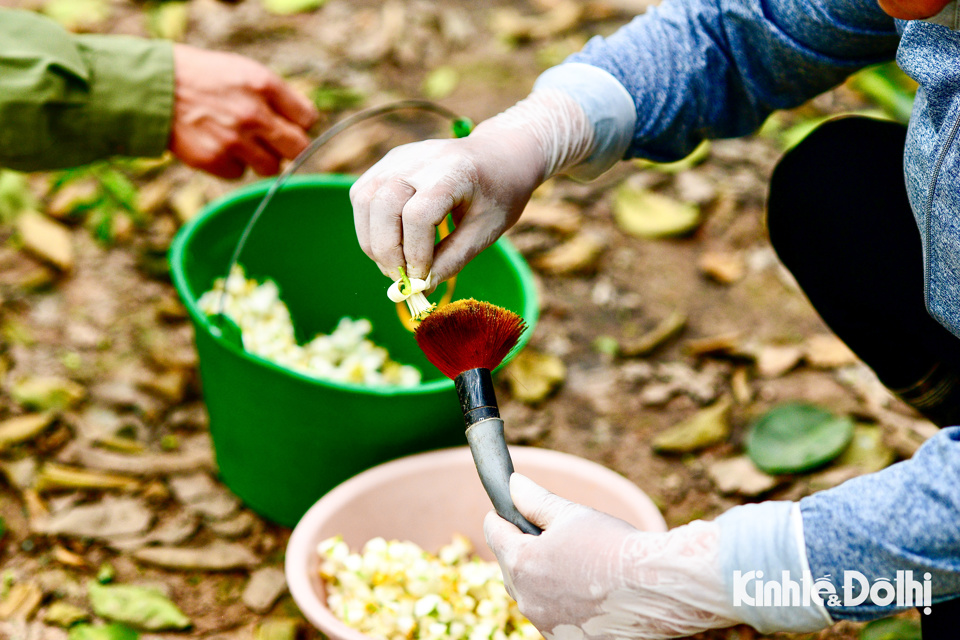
point(426, 498)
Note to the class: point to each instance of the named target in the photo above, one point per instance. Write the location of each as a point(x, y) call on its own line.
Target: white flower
point(410, 290)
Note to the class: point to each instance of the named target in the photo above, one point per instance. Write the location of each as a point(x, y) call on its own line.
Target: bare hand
point(231, 112)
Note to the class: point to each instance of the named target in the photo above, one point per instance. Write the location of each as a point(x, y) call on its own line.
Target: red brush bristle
point(468, 334)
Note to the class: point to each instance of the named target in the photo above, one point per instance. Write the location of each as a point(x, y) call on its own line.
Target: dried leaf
point(867, 451)
point(828, 352)
point(47, 392)
point(774, 361)
point(217, 556)
point(532, 376)
point(722, 266)
point(740, 475)
point(140, 607)
point(287, 7)
point(58, 476)
point(648, 342)
point(579, 254)
point(722, 343)
point(73, 197)
point(277, 629)
point(561, 217)
point(705, 428)
point(46, 239)
point(103, 519)
point(646, 214)
point(63, 614)
point(21, 601)
point(25, 427)
point(263, 589)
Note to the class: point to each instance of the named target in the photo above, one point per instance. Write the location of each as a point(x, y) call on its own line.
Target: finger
point(283, 138)
point(291, 104)
point(262, 161)
point(386, 226)
point(537, 505)
point(460, 247)
point(421, 215)
point(223, 166)
point(360, 193)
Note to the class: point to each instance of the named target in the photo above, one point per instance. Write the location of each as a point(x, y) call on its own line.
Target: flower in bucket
point(409, 290)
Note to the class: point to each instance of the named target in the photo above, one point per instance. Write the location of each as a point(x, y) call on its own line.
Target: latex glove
point(484, 180)
point(590, 575)
point(231, 112)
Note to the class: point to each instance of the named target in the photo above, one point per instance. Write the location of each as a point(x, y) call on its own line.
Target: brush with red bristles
point(466, 340)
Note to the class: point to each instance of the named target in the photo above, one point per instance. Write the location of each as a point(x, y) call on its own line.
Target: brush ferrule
point(477, 398)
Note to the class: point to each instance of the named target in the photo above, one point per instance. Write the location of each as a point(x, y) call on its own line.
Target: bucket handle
point(223, 326)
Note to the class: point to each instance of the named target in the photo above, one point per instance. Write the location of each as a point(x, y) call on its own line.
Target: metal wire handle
point(461, 127)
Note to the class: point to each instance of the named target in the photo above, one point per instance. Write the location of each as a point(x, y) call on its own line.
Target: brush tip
point(468, 334)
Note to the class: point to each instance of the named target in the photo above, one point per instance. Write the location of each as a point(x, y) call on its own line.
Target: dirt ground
point(112, 324)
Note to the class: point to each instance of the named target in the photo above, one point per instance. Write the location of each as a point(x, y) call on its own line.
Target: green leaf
point(645, 214)
point(168, 20)
point(440, 83)
point(887, 87)
point(797, 437)
point(15, 195)
point(102, 632)
point(141, 607)
point(3, 528)
point(891, 629)
point(336, 98)
point(78, 14)
point(285, 7)
point(695, 157)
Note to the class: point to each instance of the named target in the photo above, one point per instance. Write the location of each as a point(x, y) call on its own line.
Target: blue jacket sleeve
point(904, 518)
point(700, 69)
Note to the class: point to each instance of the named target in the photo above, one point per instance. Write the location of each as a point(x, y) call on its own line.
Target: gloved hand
point(484, 180)
point(230, 112)
point(591, 576)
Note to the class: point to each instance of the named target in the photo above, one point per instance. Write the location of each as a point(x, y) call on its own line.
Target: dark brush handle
point(490, 454)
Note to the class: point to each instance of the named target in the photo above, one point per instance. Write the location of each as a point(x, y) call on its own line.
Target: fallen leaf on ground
point(22, 600)
point(112, 631)
point(217, 556)
point(867, 451)
point(644, 345)
point(561, 217)
point(828, 352)
point(263, 589)
point(48, 240)
point(797, 437)
point(103, 519)
point(58, 476)
point(277, 629)
point(646, 214)
point(722, 266)
point(740, 475)
point(722, 343)
point(140, 607)
point(774, 361)
point(532, 376)
point(25, 427)
point(64, 614)
point(286, 7)
point(576, 255)
point(47, 392)
point(705, 428)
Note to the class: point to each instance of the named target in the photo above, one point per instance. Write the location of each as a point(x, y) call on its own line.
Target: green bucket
point(283, 439)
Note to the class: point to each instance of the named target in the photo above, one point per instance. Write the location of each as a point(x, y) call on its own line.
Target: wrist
point(763, 556)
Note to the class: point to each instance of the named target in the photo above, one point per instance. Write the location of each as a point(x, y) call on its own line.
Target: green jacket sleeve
point(66, 100)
